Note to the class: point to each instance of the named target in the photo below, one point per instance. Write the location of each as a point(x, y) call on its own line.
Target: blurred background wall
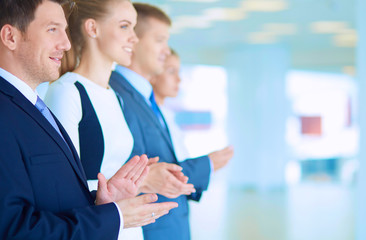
point(283, 81)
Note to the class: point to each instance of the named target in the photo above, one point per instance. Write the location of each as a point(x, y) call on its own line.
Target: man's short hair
point(145, 12)
point(20, 13)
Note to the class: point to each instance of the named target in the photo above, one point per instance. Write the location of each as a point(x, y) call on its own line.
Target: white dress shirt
point(141, 84)
point(24, 88)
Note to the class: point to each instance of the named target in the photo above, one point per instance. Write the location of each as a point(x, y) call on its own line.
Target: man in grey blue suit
point(147, 124)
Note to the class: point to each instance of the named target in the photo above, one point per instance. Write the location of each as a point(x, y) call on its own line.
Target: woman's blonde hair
point(83, 10)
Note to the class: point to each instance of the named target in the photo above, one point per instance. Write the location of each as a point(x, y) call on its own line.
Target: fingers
point(139, 211)
point(177, 188)
point(181, 186)
point(146, 198)
point(176, 170)
point(142, 177)
point(231, 149)
point(173, 167)
point(228, 151)
point(225, 151)
point(155, 211)
point(102, 182)
point(102, 192)
point(160, 209)
point(136, 172)
point(176, 183)
point(169, 183)
point(128, 167)
point(180, 176)
point(185, 189)
point(184, 179)
point(221, 158)
point(143, 223)
point(153, 160)
point(179, 181)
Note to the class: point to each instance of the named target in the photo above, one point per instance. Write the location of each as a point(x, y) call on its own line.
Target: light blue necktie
point(41, 106)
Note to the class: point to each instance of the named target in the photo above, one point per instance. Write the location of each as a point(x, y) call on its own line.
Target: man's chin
point(159, 71)
point(53, 77)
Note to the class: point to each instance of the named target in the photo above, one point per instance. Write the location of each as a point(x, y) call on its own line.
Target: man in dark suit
point(147, 124)
point(43, 189)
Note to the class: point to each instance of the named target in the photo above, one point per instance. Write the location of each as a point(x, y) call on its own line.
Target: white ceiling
point(319, 34)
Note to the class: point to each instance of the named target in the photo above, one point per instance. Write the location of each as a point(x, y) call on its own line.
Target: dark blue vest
point(90, 136)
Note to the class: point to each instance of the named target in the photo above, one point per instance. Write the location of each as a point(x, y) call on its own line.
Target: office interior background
point(283, 81)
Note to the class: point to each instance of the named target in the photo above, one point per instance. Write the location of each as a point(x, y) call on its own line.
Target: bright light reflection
point(328, 96)
point(204, 88)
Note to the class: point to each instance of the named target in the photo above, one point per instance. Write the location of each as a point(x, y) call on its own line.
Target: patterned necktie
point(41, 106)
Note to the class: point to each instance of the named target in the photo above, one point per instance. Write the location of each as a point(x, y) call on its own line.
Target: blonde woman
point(101, 32)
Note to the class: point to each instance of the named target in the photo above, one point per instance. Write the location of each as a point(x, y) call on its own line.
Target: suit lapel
point(166, 131)
point(78, 167)
point(146, 108)
point(37, 116)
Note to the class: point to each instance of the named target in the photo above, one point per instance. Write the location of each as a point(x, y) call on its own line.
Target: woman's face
point(167, 83)
point(115, 32)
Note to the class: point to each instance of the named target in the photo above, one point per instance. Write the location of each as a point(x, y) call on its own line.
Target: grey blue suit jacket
point(151, 138)
point(43, 189)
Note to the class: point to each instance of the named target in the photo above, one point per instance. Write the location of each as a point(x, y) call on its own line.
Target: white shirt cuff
point(120, 222)
point(211, 166)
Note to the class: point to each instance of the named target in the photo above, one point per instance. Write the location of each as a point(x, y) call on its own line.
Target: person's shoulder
point(63, 90)
point(4, 104)
point(65, 83)
point(67, 80)
point(9, 111)
point(117, 81)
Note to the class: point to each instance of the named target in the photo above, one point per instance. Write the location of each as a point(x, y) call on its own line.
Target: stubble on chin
point(46, 74)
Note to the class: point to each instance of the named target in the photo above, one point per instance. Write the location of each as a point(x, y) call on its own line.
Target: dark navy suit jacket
point(152, 139)
point(43, 189)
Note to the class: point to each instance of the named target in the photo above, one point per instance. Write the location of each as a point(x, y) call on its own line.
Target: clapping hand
point(221, 158)
point(140, 211)
point(125, 183)
point(168, 180)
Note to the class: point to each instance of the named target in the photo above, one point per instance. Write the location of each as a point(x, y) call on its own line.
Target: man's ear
point(90, 27)
point(10, 36)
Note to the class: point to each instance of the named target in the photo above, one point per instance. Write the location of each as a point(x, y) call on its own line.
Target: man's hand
point(140, 211)
point(152, 161)
point(167, 179)
point(180, 176)
point(125, 183)
point(221, 158)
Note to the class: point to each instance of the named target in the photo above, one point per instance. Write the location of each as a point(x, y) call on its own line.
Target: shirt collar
point(141, 84)
point(22, 87)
